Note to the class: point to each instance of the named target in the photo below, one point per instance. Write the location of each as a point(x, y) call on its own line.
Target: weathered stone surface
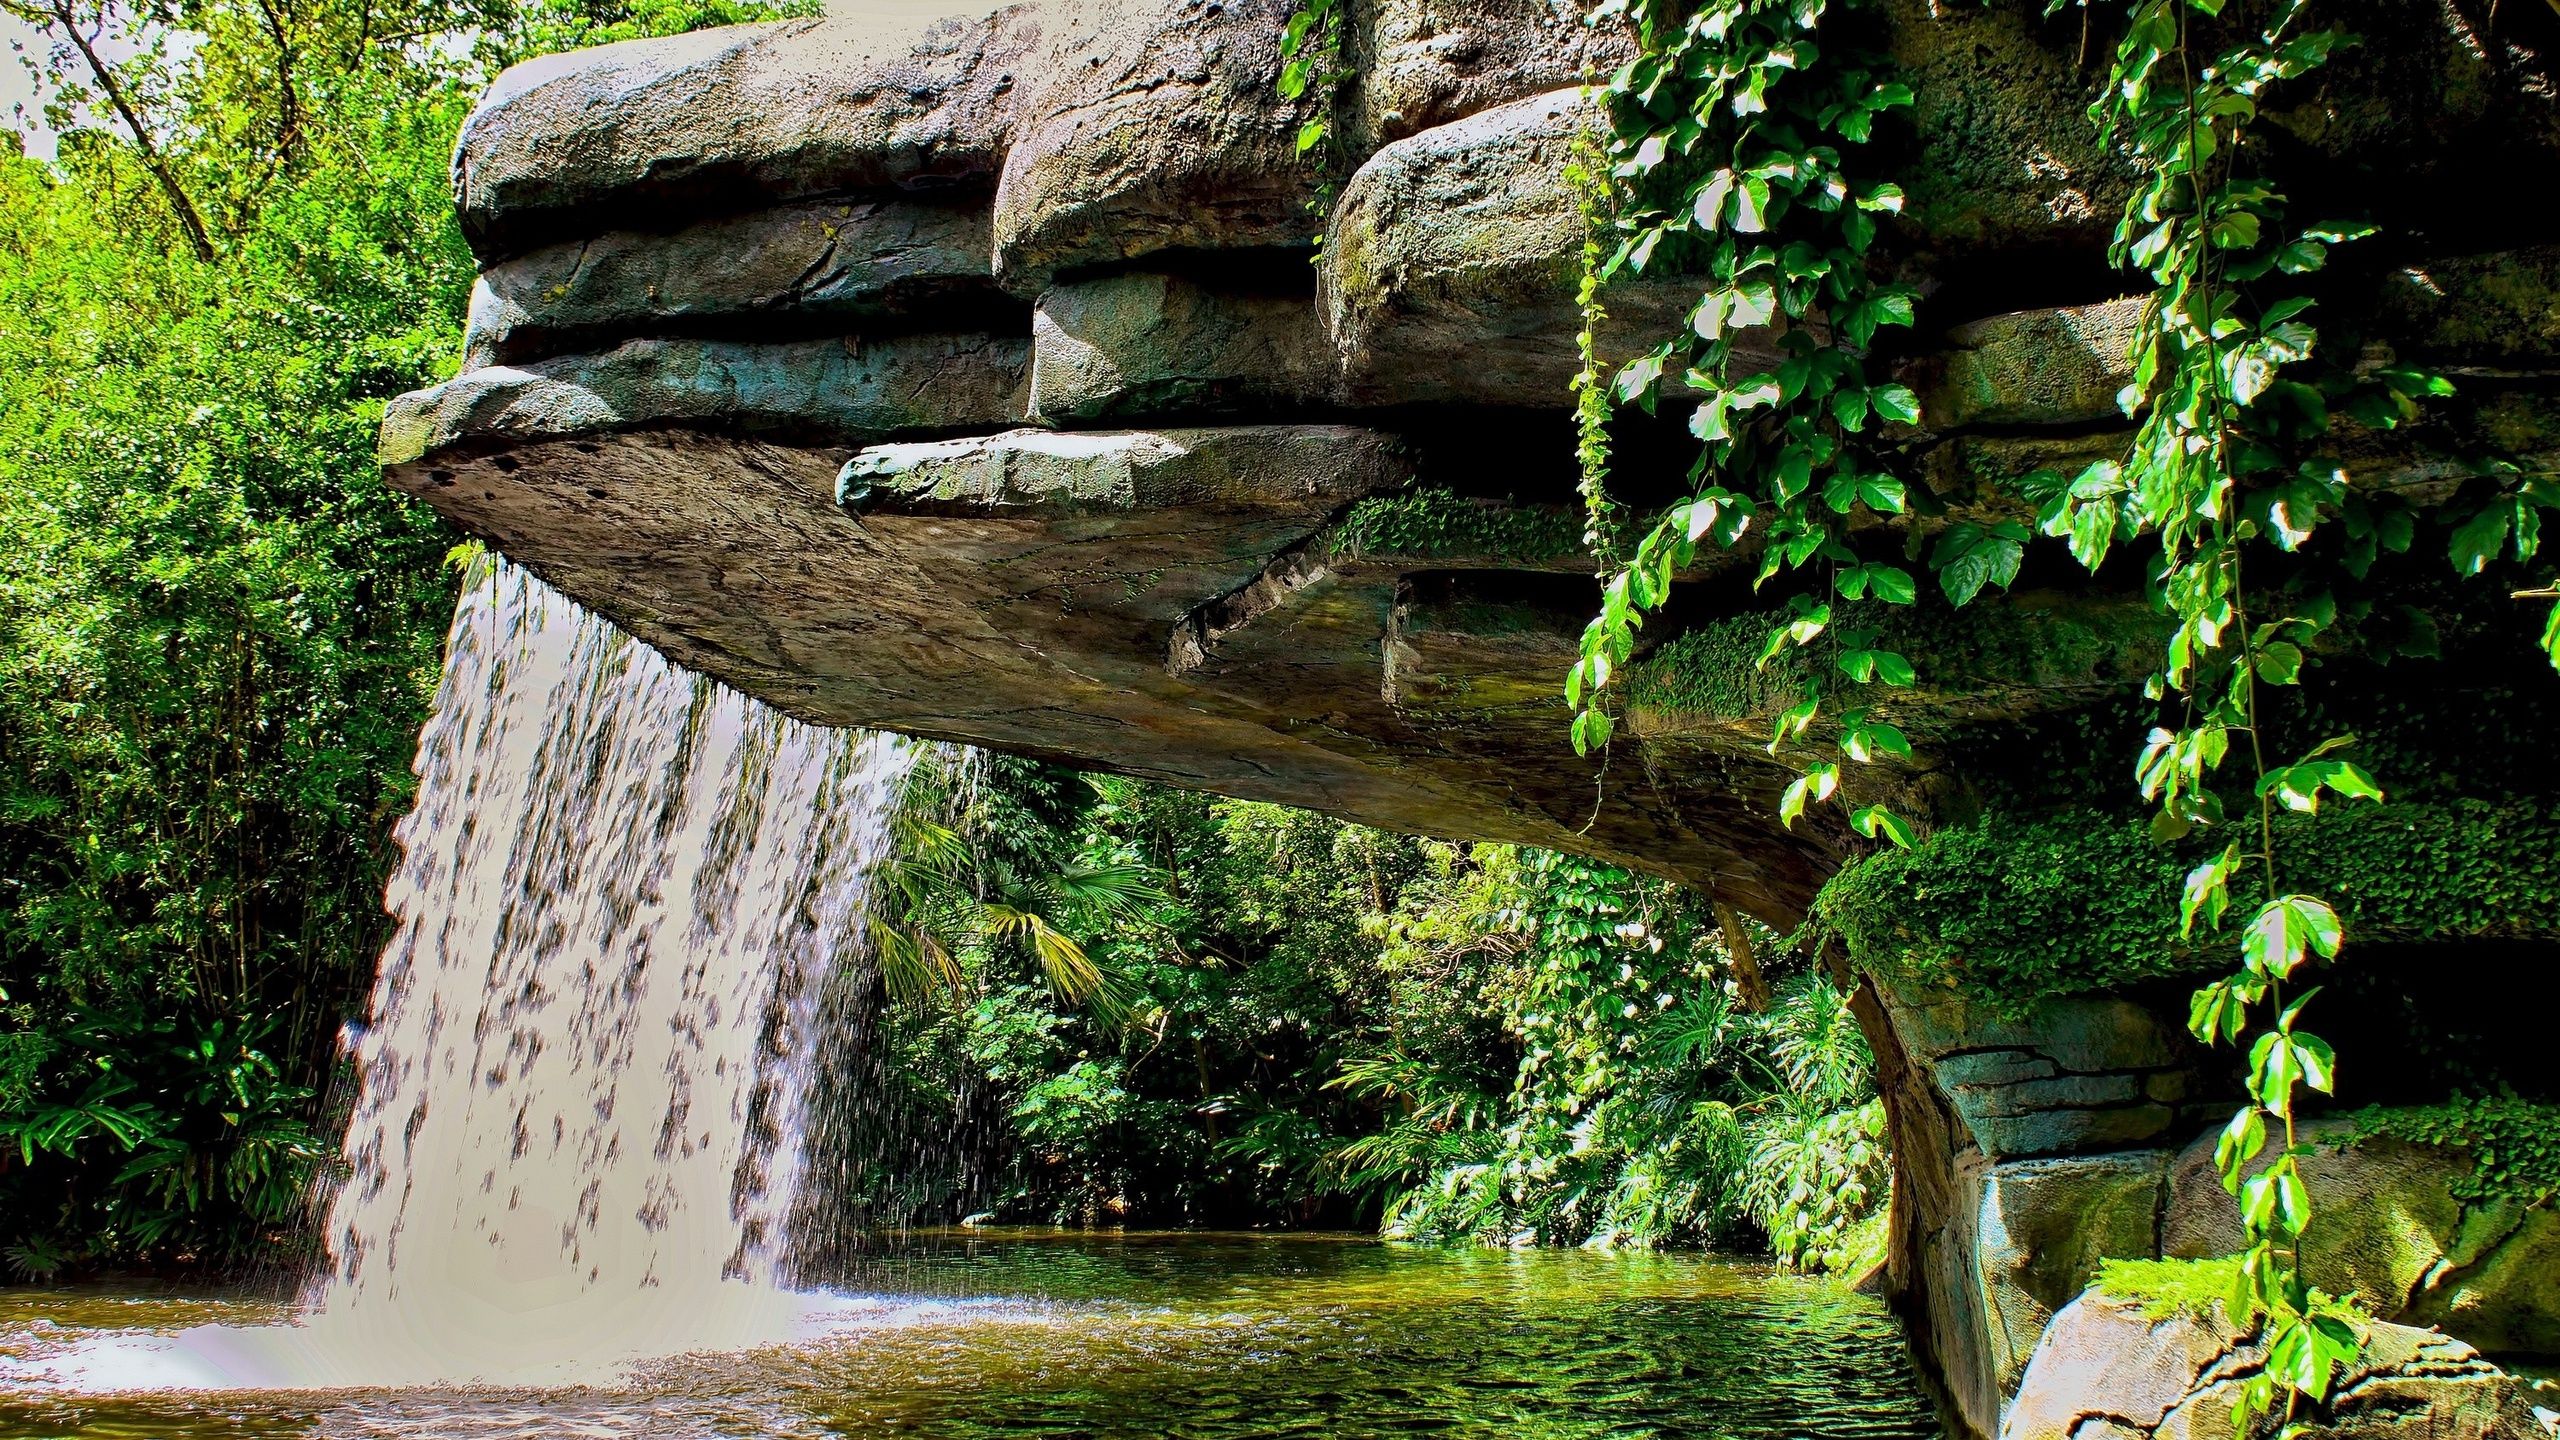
point(2105, 1369)
point(1465, 241)
point(2499, 311)
point(2004, 155)
point(1151, 127)
point(843, 389)
point(1307, 470)
point(2045, 1226)
point(1421, 63)
point(731, 118)
point(1461, 646)
point(791, 266)
point(1154, 344)
point(2392, 1231)
point(2036, 367)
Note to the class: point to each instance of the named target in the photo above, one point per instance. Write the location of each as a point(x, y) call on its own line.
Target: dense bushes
point(1305, 1021)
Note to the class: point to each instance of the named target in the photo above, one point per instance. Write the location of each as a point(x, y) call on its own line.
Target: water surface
point(1012, 1335)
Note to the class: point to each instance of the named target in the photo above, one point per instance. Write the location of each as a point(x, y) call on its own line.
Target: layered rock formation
point(988, 383)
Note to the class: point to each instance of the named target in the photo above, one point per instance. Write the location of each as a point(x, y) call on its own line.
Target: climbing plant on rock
point(2226, 454)
point(1312, 64)
point(1731, 147)
point(1732, 143)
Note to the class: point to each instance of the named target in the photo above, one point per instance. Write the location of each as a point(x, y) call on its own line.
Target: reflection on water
point(1037, 1334)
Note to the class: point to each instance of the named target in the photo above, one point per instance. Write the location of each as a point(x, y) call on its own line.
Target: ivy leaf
point(1892, 584)
point(2240, 1142)
point(1895, 402)
point(2217, 1011)
point(1865, 740)
point(2207, 892)
point(1971, 556)
point(2479, 539)
point(1792, 721)
point(2285, 929)
point(1813, 786)
point(2279, 662)
point(1877, 820)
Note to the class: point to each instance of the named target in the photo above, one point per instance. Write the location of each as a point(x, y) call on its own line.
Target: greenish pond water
point(1019, 1334)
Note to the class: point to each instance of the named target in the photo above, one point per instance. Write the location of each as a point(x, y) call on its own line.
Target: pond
point(999, 1335)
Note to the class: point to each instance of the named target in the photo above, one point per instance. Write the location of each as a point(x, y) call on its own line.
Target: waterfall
point(580, 1118)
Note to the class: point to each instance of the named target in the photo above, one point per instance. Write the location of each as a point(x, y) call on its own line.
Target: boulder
point(2035, 367)
point(830, 389)
point(1450, 264)
point(2107, 1370)
point(732, 118)
point(794, 265)
point(2044, 1228)
point(1151, 127)
point(2391, 1229)
point(1155, 344)
point(2002, 156)
point(1421, 63)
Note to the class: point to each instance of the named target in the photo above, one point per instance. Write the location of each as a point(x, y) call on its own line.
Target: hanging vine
point(1732, 148)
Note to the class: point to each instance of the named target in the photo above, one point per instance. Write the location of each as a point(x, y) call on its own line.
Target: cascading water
point(579, 1128)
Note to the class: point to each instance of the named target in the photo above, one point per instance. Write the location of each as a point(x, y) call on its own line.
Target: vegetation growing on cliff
point(1977, 906)
point(1735, 144)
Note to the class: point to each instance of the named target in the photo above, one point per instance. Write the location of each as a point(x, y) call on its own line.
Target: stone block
point(2043, 1228)
point(2060, 1092)
point(733, 118)
point(2035, 367)
point(844, 389)
point(1301, 468)
point(1153, 344)
point(793, 266)
point(2175, 1378)
point(1151, 127)
point(1465, 241)
point(2067, 1132)
point(1994, 1067)
point(1421, 63)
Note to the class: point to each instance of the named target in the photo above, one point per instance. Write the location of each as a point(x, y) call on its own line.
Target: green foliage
point(1978, 905)
point(1312, 64)
point(218, 629)
point(1732, 146)
point(1440, 524)
point(2514, 1144)
point(1316, 1021)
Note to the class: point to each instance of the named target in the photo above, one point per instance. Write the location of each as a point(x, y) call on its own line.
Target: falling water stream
point(571, 1171)
point(622, 887)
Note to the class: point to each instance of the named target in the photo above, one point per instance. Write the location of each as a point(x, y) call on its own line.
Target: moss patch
point(2202, 1289)
point(1441, 524)
point(2514, 1144)
point(2009, 911)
